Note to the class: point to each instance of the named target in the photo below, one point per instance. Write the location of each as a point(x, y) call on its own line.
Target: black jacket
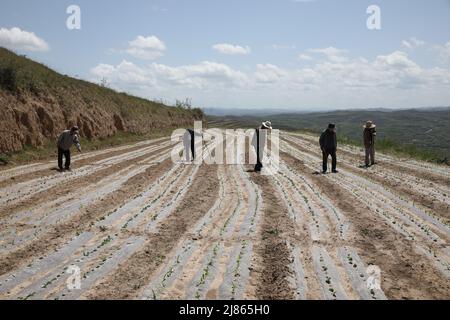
point(328, 140)
point(369, 136)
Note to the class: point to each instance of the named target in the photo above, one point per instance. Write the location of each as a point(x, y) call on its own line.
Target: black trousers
point(192, 133)
point(193, 146)
point(326, 154)
point(66, 154)
point(258, 165)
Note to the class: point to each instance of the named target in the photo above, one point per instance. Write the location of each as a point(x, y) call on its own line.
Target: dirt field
point(139, 226)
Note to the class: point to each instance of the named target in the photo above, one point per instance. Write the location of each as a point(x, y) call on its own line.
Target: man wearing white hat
point(259, 142)
point(369, 135)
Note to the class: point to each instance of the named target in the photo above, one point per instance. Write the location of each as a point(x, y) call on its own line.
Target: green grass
point(4, 160)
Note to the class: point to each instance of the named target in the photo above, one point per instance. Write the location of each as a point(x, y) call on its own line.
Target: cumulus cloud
point(148, 48)
point(444, 52)
point(269, 73)
point(125, 74)
point(204, 75)
point(304, 57)
point(17, 39)
point(332, 53)
point(397, 60)
point(388, 78)
point(226, 48)
point(413, 43)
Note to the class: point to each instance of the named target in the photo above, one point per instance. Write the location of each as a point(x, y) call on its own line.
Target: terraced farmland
point(139, 226)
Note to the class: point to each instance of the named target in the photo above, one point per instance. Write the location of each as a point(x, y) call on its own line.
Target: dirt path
point(273, 251)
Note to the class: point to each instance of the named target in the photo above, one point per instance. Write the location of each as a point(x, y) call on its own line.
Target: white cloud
point(125, 74)
point(17, 39)
point(397, 60)
point(407, 44)
point(413, 43)
point(204, 75)
point(148, 48)
point(226, 48)
point(392, 79)
point(444, 52)
point(332, 53)
point(269, 73)
point(304, 57)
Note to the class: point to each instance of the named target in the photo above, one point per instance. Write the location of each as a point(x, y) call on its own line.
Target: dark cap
point(331, 126)
point(75, 128)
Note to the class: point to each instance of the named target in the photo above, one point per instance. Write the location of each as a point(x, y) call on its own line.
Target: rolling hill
point(37, 103)
point(414, 130)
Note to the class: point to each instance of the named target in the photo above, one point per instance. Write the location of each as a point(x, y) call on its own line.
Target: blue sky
point(300, 55)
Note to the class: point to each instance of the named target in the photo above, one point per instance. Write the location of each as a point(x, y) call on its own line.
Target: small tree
point(186, 104)
point(104, 82)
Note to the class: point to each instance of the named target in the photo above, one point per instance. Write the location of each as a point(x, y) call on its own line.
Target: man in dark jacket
point(369, 142)
point(189, 141)
point(259, 142)
point(66, 139)
point(328, 144)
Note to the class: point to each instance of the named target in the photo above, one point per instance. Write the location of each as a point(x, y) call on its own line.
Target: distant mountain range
point(278, 111)
point(424, 128)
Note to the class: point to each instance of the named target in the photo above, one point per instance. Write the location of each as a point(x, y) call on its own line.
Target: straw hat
point(267, 125)
point(370, 125)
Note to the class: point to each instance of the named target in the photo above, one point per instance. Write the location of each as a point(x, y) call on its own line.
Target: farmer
point(328, 145)
point(369, 135)
point(189, 144)
point(259, 142)
point(66, 139)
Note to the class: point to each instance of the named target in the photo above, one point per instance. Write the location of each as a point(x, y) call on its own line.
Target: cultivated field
point(139, 226)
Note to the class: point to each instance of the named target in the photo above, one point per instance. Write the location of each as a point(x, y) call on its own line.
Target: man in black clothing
point(189, 141)
point(259, 142)
point(328, 144)
point(192, 133)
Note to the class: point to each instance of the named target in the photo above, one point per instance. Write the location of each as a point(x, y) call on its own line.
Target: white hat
point(267, 125)
point(370, 125)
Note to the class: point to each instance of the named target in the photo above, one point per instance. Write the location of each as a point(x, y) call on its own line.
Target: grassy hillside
point(37, 103)
point(418, 133)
